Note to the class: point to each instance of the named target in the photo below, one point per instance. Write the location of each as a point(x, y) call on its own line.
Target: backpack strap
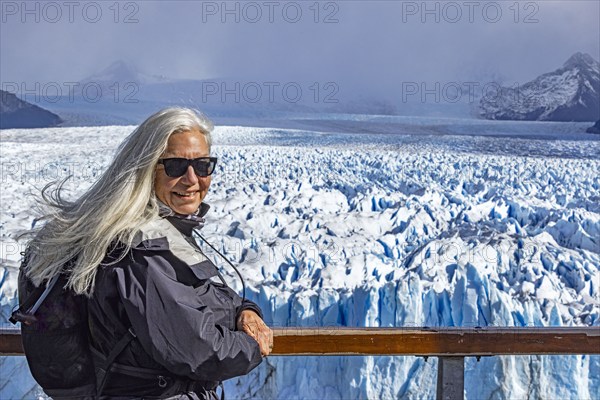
point(26, 311)
point(107, 362)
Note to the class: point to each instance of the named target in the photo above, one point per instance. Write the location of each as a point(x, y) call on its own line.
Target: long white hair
point(77, 235)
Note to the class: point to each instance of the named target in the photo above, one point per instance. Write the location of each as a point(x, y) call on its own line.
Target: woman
point(153, 297)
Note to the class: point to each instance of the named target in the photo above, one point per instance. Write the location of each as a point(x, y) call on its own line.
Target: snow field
point(332, 230)
point(404, 238)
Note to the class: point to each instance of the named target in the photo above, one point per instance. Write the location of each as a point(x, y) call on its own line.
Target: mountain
point(121, 72)
point(571, 93)
point(118, 82)
point(595, 128)
point(16, 113)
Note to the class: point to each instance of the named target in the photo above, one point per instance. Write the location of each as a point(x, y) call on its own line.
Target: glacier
point(341, 228)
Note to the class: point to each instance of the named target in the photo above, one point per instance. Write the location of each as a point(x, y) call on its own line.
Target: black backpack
point(54, 331)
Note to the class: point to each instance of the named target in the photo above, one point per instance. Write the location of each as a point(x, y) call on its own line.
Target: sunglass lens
point(204, 167)
point(175, 167)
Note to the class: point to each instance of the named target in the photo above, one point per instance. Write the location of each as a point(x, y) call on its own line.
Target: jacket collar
point(184, 223)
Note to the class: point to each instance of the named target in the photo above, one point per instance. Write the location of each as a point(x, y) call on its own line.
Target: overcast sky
point(366, 46)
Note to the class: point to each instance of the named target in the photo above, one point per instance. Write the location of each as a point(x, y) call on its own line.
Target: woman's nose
point(190, 176)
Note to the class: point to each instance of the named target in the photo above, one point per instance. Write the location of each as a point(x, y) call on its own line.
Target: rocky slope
point(16, 113)
point(571, 93)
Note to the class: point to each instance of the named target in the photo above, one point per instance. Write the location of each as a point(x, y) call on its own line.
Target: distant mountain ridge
point(16, 113)
point(120, 80)
point(121, 94)
point(122, 71)
point(570, 93)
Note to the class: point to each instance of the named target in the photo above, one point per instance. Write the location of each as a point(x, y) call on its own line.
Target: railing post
point(451, 378)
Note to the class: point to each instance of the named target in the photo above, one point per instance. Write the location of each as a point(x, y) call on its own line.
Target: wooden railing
point(451, 345)
point(436, 341)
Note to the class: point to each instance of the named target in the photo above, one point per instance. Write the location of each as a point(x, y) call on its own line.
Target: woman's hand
point(250, 323)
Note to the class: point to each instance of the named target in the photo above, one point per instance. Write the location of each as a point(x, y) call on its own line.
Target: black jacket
point(181, 311)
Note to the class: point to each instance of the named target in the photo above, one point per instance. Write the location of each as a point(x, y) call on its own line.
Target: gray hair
point(77, 235)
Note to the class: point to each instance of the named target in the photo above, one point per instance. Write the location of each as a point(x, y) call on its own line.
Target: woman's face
point(185, 193)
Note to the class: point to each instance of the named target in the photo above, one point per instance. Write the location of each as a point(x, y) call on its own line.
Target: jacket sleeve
point(174, 323)
point(248, 305)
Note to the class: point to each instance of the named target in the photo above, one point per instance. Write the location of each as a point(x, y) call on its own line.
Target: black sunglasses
point(176, 167)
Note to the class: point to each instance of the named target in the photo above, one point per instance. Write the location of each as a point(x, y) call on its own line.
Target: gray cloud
point(372, 48)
